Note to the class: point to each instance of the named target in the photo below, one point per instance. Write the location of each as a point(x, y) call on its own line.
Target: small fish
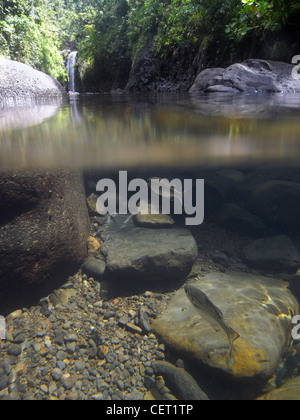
point(210, 313)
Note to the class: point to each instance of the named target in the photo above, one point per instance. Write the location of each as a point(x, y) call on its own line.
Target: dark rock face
point(44, 228)
point(152, 73)
point(251, 76)
point(21, 85)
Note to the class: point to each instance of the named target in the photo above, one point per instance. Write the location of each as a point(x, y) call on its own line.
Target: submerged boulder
point(290, 391)
point(153, 255)
point(44, 227)
point(277, 203)
point(182, 384)
point(258, 308)
point(21, 85)
point(274, 255)
point(251, 76)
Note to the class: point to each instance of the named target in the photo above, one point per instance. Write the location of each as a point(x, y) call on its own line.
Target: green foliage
point(103, 42)
point(260, 17)
point(25, 37)
point(110, 33)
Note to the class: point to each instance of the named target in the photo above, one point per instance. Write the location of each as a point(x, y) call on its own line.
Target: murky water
point(119, 131)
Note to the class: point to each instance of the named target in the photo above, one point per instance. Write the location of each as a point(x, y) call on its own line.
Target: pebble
point(134, 328)
point(3, 382)
point(56, 374)
point(14, 315)
point(71, 338)
point(14, 349)
point(85, 348)
point(79, 365)
point(61, 355)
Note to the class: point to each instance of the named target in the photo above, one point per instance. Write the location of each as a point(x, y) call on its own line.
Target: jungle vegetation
point(110, 33)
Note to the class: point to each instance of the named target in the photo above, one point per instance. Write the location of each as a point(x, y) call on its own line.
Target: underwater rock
point(258, 308)
point(250, 76)
point(44, 227)
point(290, 391)
point(153, 221)
point(94, 267)
point(181, 383)
point(274, 255)
point(235, 218)
point(277, 203)
point(21, 85)
point(147, 254)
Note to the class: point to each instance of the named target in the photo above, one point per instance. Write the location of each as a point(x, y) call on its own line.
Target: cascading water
point(71, 70)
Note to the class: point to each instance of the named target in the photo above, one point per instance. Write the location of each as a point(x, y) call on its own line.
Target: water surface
point(119, 131)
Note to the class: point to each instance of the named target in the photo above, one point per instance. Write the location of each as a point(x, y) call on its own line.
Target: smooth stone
point(110, 357)
point(123, 321)
point(71, 347)
point(20, 338)
point(79, 365)
point(56, 374)
point(134, 328)
point(61, 355)
point(22, 385)
point(14, 349)
point(144, 321)
point(290, 391)
point(153, 221)
point(258, 308)
point(274, 255)
point(135, 253)
point(69, 338)
point(61, 365)
point(94, 267)
point(14, 315)
point(102, 385)
point(250, 76)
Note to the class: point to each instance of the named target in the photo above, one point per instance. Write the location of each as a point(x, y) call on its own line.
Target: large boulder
point(290, 391)
point(21, 85)
point(44, 227)
point(273, 254)
point(236, 218)
point(277, 203)
point(147, 255)
point(258, 308)
point(251, 76)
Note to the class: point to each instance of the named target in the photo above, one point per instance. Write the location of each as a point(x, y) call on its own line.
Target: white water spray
point(71, 70)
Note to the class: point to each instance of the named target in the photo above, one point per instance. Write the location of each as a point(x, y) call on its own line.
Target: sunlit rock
point(23, 86)
point(251, 76)
point(258, 308)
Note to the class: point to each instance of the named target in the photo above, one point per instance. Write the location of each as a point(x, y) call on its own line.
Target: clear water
point(105, 131)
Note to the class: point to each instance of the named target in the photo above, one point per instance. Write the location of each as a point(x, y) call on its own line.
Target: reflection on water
point(118, 131)
point(25, 117)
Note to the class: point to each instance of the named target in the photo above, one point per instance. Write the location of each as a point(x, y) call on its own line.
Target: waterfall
point(71, 70)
